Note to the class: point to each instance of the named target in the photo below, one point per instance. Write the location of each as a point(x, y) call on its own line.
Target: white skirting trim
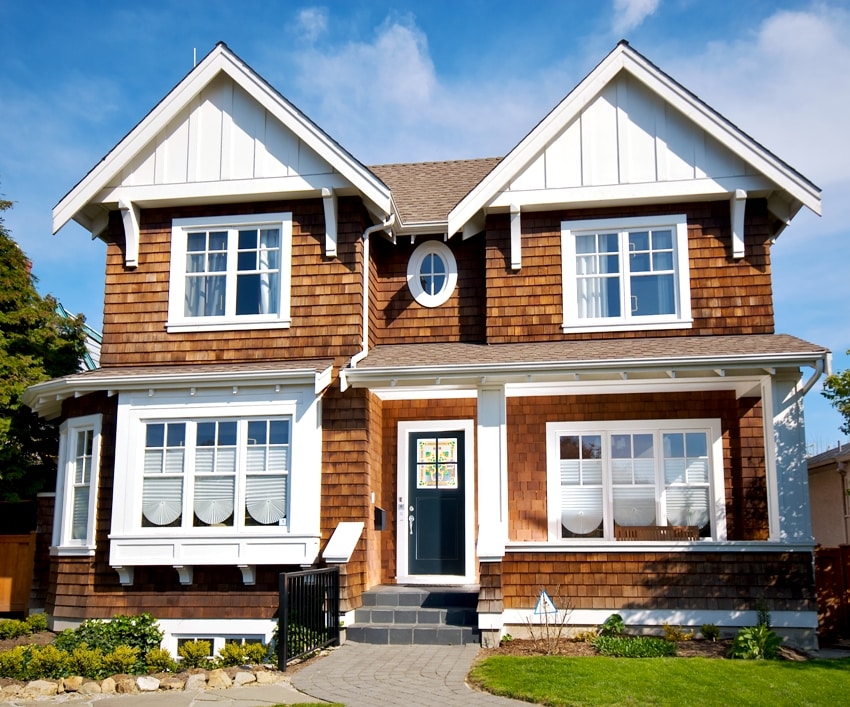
point(215, 631)
point(658, 617)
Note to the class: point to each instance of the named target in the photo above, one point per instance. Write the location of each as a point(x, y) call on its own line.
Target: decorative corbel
point(249, 574)
point(329, 202)
point(738, 205)
point(516, 241)
point(125, 575)
point(185, 573)
point(130, 216)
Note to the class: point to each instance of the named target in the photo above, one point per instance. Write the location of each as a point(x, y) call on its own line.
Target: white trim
point(554, 430)
point(63, 543)
point(422, 251)
point(402, 494)
point(681, 318)
point(181, 227)
point(493, 473)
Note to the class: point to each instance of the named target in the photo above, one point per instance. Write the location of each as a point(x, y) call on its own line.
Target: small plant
point(551, 630)
point(140, 632)
point(674, 634)
point(507, 638)
point(36, 622)
point(159, 660)
point(12, 628)
point(48, 662)
point(255, 653)
point(195, 654)
point(634, 646)
point(709, 632)
point(612, 626)
point(755, 643)
point(123, 659)
point(231, 654)
point(86, 661)
point(13, 663)
point(586, 636)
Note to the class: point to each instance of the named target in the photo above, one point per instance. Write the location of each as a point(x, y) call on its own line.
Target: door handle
point(410, 523)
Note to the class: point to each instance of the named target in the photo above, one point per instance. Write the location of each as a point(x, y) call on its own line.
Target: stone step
point(415, 615)
point(413, 635)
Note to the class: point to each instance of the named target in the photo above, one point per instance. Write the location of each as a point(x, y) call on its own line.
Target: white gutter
point(820, 366)
point(360, 355)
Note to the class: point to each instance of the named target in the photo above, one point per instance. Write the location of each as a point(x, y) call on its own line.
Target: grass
point(695, 682)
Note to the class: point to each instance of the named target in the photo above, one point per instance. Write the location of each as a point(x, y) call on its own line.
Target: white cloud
point(629, 14)
point(312, 22)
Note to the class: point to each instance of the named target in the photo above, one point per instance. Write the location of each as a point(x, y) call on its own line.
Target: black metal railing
point(309, 613)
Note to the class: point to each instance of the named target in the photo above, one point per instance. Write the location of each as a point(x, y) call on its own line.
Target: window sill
point(229, 325)
point(72, 550)
point(582, 327)
point(706, 545)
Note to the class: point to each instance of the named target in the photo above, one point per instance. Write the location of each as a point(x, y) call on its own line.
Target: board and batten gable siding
point(326, 293)
point(728, 296)
point(743, 451)
point(401, 320)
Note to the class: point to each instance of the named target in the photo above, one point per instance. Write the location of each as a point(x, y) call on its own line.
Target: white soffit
point(241, 114)
point(621, 101)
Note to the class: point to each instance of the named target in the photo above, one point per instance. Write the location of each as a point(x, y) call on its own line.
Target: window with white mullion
point(633, 479)
point(164, 466)
point(215, 473)
point(77, 479)
point(82, 463)
point(267, 472)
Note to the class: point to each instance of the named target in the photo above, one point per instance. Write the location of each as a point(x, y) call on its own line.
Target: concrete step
point(408, 635)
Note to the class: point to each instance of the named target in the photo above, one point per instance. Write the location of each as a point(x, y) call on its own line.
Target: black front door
point(436, 503)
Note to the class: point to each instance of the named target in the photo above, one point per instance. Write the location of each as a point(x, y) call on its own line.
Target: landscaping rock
point(40, 688)
point(244, 677)
point(108, 686)
point(146, 683)
point(172, 683)
point(198, 681)
point(10, 690)
point(218, 679)
point(125, 685)
point(72, 683)
point(267, 677)
point(90, 688)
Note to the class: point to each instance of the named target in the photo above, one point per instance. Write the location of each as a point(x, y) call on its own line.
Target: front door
point(436, 517)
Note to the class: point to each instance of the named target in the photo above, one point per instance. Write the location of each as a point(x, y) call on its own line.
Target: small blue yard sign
point(545, 605)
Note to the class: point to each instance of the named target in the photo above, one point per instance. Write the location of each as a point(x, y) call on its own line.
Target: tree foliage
point(36, 344)
point(836, 389)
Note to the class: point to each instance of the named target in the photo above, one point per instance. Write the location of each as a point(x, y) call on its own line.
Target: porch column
point(787, 473)
point(492, 474)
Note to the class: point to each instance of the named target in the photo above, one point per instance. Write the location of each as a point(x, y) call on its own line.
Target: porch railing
point(309, 613)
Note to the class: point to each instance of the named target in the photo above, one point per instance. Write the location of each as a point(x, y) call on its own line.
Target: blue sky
point(408, 81)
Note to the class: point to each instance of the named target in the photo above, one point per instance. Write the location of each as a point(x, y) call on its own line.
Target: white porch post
point(492, 474)
point(787, 473)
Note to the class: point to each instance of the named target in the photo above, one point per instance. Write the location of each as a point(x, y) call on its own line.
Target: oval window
point(432, 273)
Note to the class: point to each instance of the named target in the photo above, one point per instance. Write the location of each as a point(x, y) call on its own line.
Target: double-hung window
point(79, 458)
point(213, 473)
point(230, 272)
point(626, 274)
point(633, 479)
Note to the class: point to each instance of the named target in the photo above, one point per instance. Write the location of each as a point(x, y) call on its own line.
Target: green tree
point(836, 389)
point(36, 344)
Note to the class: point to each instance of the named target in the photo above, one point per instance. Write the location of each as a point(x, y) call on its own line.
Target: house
point(829, 496)
point(555, 370)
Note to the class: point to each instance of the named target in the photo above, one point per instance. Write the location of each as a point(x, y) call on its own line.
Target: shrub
point(634, 646)
point(231, 654)
point(755, 643)
point(674, 634)
point(86, 661)
point(710, 632)
point(256, 653)
point(36, 622)
point(124, 659)
point(12, 628)
point(13, 663)
point(195, 654)
point(587, 636)
point(48, 662)
point(612, 626)
point(159, 660)
point(140, 632)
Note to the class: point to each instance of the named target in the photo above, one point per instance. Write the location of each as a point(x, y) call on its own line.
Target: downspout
point(820, 367)
point(360, 355)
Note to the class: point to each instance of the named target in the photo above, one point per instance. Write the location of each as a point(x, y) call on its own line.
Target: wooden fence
point(832, 577)
point(16, 566)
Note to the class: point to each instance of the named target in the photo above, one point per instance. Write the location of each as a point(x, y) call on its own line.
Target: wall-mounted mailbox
point(380, 519)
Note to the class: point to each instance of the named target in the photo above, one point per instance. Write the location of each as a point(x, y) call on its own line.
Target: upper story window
point(230, 272)
point(637, 480)
point(626, 273)
point(79, 459)
point(432, 273)
point(210, 473)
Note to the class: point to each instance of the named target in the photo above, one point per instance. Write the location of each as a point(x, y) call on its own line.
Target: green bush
point(13, 663)
point(140, 632)
point(86, 661)
point(634, 646)
point(48, 662)
point(755, 643)
point(36, 622)
point(674, 634)
point(12, 628)
point(124, 659)
point(159, 660)
point(256, 653)
point(231, 654)
point(710, 632)
point(195, 654)
point(612, 626)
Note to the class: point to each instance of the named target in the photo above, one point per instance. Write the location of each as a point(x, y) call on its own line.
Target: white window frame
point(555, 430)
point(680, 319)
point(422, 251)
point(63, 539)
point(180, 230)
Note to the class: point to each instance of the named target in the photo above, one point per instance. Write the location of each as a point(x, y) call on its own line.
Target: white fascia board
point(624, 57)
point(363, 377)
point(220, 59)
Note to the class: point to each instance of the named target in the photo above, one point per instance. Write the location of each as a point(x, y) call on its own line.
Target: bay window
point(649, 480)
point(626, 274)
point(230, 272)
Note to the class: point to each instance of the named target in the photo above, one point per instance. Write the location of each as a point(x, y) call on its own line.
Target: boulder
point(218, 679)
point(146, 683)
point(72, 683)
point(244, 677)
point(125, 685)
point(108, 686)
point(90, 688)
point(197, 681)
point(40, 688)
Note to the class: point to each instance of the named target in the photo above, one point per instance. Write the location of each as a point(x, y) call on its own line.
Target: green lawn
point(691, 682)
